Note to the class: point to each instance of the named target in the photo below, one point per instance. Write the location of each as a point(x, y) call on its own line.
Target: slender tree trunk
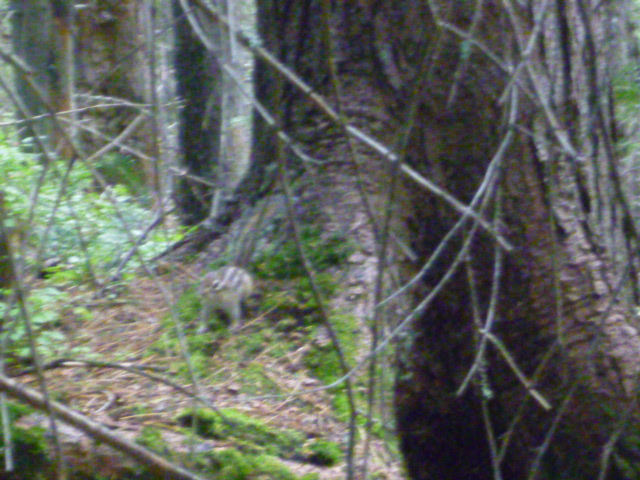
point(33, 46)
point(198, 75)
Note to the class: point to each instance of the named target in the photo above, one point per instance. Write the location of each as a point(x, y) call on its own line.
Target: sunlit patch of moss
point(232, 464)
point(250, 434)
point(152, 439)
point(324, 362)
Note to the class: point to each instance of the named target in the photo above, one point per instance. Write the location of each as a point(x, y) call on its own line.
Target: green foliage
point(300, 298)
point(85, 222)
point(151, 438)
point(626, 87)
point(323, 251)
point(44, 306)
point(280, 300)
point(304, 292)
point(231, 464)
point(189, 305)
point(323, 452)
point(323, 360)
point(253, 435)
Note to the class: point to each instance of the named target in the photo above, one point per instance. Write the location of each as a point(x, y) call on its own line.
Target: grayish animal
point(224, 289)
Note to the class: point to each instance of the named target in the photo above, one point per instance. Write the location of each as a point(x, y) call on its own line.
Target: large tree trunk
point(538, 137)
point(114, 59)
point(536, 303)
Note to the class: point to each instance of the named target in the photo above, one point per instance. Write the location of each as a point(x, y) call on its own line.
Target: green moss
point(323, 452)
point(201, 349)
point(256, 382)
point(283, 261)
point(152, 439)
point(253, 343)
point(310, 476)
point(252, 435)
point(324, 362)
point(280, 301)
point(330, 251)
point(298, 299)
point(304, 293)
point(188, 306)
point(231, 464)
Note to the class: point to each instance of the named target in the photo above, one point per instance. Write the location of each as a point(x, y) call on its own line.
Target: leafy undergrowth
point(262, 409)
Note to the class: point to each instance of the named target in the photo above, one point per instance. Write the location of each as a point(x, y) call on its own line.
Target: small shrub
point(44, 306)
point(32, 191)
point(324, 453)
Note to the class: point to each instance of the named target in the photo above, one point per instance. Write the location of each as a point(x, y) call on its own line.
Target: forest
point(318, 239)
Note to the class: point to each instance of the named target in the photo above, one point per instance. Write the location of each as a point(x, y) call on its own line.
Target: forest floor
point(259, 370)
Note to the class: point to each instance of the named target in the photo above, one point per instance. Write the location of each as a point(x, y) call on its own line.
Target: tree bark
point(560, 305)
point(198, 76)
point(523, 354)
point(33, 47)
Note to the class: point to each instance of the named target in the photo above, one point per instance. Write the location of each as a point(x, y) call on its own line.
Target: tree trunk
point(535, 136)
point(62, 87)
point(506, 106)
point(198, 88)
point(531, 291)
point(33, 46)
point(113, 60)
